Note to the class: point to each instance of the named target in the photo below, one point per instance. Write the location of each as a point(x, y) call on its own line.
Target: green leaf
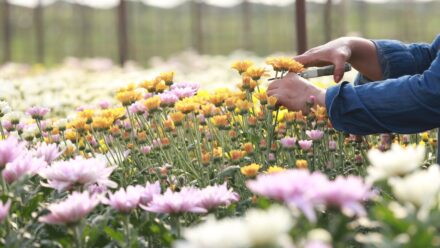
point(115, 235)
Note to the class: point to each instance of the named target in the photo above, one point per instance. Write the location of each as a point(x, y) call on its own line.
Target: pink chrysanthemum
point(62, 175)
point(4, 209)
point(37, 112)
point(10, 149)
point(187, 200)
point(217, 195)
point(288, 142)
point(124, 200)
point(72, 210)
point(346, 193)
point(315, 134)
point(48, 152)
point(305, 144)
point(23, 165)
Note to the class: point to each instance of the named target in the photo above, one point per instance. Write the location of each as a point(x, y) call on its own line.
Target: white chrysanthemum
point(398, 161)
point(30, 131)
point(258, 228)
point(13, 117)
point(4, 108)
point(268, 227)
point(61, 124)
point(226, 233)
point(420, 188)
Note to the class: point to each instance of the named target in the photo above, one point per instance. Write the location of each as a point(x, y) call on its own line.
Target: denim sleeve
point(397, 59)
point(406, 104)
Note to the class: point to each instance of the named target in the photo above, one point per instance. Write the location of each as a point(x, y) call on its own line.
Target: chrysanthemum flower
point(187, 200)
point(301, 164)
point(48, 152)
point(346, 193)
point(10, 149)
point(124, 200)
point(23, 165)
point(275, 169)
point(168, 99)
point(37, 113)
point(305, 144)
point(250, 170)
point(217, 195)
point(4, 209)
point(62, 175)
point(256, 72)
point(398, 161)
point(168, 77)
point(72, 210)
point(128, 97)
point(294, 187)
point(288, 142)
point(242, 66)
point(315, 134)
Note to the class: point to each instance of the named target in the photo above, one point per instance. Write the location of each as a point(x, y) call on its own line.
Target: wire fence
point(48, 35)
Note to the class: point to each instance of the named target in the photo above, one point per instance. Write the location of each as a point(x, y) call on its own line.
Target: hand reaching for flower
point(293, 91)
point(359, 52)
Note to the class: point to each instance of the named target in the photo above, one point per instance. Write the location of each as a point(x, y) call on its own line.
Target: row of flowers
point(171, 162)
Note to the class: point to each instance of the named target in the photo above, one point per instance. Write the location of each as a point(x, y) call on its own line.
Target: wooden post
point(39, 31)
point(197, 26)
point(122, 32)
point(301, 31)
point(85, 39)
point(7, 31)
point(363, 18)
point(247, 27)
point(327, 21)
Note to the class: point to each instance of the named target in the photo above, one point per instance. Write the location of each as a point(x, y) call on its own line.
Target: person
point(397, 89)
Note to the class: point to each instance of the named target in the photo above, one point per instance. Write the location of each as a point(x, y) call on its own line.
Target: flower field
point(159, 162)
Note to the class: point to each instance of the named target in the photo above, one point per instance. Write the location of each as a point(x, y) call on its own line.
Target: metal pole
point(301, 31)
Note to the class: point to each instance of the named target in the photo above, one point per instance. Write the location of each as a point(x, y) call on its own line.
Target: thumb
point(338, 74)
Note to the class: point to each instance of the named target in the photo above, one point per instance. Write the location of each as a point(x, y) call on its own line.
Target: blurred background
point(64, 54)
point(48, 31)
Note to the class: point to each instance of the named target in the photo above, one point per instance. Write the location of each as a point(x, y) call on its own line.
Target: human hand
point(336, 52)
point(293, 92)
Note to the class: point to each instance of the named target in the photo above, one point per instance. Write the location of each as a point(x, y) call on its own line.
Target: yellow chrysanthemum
point(275, 169)
point(128, 97)
point(168, 77)
point(236, 155)
point(152, 103)
point(177, 117)
point(87, 114)
point(256, 72)
point(101, 123)
point(250, 170)
point(160, 86)
point(220, 121)
point(149, 85)
point(301, 164)
point(242, 66)
point(285, 64)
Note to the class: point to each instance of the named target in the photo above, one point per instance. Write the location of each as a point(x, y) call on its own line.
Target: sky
point(173, 3)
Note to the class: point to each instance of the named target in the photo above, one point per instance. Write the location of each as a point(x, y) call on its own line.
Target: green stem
point(127, 231)
point(78, 236)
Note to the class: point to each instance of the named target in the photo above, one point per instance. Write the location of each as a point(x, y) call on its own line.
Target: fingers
point(338, 74)
point(305, 59)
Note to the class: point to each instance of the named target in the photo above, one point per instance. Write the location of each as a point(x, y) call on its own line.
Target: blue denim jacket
point(406, 101)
